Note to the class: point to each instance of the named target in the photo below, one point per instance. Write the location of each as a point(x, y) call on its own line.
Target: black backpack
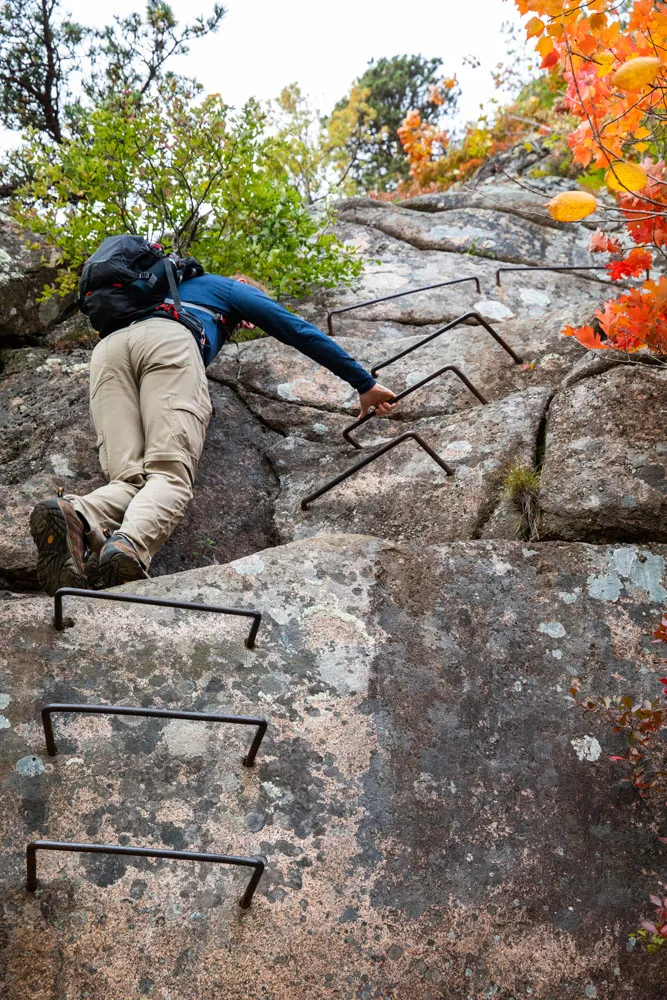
point(128, 279)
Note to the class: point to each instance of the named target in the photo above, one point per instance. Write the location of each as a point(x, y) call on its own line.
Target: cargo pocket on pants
point(188, 422)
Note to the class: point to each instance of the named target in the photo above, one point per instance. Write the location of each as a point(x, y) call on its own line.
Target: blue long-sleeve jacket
point(236, 301)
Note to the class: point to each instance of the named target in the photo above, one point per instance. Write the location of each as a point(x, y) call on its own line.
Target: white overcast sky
point(262, 45)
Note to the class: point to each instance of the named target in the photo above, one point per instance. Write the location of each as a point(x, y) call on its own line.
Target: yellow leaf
point(637, 73)
point(555, 29)
point(534, 27)
point(606, 61)
point(641, 146)
point(545, 46)
point(624, 176)
point(642, 132)
point(570, 206)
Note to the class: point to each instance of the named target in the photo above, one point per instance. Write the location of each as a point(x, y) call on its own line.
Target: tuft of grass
point(522, 485)
point(521, 480)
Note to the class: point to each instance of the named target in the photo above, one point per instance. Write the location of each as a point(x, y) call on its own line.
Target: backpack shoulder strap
point(170, 268)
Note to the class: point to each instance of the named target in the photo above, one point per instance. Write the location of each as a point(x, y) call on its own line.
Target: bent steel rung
point(413, 388)
point(397, 295)
point(160, 602)
point(371, 458)
point(444, 329)
point(152, 713)
point(142, 852)
point(548, 267)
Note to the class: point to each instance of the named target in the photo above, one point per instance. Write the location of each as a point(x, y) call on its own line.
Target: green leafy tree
point(393, 88)
point(37, 53)
point(190, 173)
point(47, 61)
point(317, 152)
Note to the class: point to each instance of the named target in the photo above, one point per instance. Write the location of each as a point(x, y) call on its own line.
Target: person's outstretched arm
point(290, 329)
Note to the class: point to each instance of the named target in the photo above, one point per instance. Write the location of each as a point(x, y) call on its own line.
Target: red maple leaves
point(639, 259)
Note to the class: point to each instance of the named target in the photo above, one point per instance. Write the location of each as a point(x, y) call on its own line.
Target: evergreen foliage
point(45, 59)
point(393, 88)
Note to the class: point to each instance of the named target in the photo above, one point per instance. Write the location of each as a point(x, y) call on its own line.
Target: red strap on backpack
point(171, 310)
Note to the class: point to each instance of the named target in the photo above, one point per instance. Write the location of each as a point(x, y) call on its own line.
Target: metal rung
point(413, 388)
point(142, 852)
point(443, 329)
point(371, 458)
point(397, 295)
point(548, 267)
point(152, 713)
point(160, 602)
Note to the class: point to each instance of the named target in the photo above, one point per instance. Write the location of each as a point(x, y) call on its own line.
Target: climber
point(150, 407)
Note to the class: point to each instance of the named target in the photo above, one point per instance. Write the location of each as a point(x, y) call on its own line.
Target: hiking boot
point(58, 533)
point(119, 562)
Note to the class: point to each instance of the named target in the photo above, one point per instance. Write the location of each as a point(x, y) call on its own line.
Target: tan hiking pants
point(149, 406)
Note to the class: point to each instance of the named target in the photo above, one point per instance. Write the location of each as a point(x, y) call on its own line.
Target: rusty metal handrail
point(160, 602)
point(152, 713)
point(142, 852)
point(397, 295)
point(548, 267)
point(305, 503)
point(413, 388)
point(443, 329)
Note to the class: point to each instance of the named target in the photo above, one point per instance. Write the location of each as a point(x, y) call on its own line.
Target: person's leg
point(175, 411)
point(116, 418)
point(61, 527)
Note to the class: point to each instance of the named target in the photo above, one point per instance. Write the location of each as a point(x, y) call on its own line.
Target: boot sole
point(118, 568)
point(56, 566)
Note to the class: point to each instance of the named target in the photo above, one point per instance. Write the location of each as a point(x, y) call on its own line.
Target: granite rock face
point(435, 820)
point(405, 494)
point(605, 470)
point(46, 442)
point(25, 268)
point(396, 266)
point(474, 230)
point(500, 195)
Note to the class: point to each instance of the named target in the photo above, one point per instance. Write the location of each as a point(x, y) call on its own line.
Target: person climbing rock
point(150, 408)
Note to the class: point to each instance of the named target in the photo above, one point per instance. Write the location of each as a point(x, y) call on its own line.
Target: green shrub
point(189, 173)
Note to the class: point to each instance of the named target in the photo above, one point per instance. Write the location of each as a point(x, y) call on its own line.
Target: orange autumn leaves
point(639, 317)
point(615, 71)
point(614, 74)
point(636, 320)
point(418, 139)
